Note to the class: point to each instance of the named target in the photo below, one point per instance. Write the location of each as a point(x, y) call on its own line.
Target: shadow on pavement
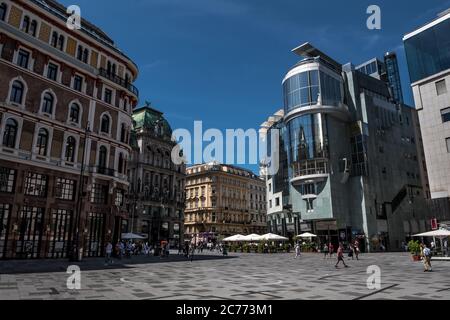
point(60, 265)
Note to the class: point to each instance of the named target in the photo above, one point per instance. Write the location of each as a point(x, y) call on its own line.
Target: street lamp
point(77, 252)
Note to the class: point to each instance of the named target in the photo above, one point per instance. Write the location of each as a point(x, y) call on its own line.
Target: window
point(33, 28)
point(10, 134)
point(65, 189)
point(447, 142)
point(52, 71)
point(270, 187)
point(3, 9)
point(54, 42)
point(70, 149)
point(108, 96)
point(17, 92)
point(270, 203)
point(61, 41)
point(80, 53)
point(121, 164)
point(26, 24)
point(77, 83)
point(102, 157)
point(105, 124)
point(36, 184)
point(74, 114)
point(85, 55)
point(119, 198)
point(98, 194)
point(441, 88)
point(47, 103)
point(22, 58)
point(445, 114)
point(277, 202)
point(122, 132)
point(308, 189)
point(42, 142)
point(7, 179)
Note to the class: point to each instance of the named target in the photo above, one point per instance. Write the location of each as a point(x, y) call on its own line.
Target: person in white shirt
point(108, 251)
point(426, 258)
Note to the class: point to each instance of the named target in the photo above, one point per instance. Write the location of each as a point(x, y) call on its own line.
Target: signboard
point(434, 224)
point(325, 225)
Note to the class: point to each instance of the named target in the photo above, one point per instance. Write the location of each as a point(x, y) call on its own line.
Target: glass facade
point(304, 89)
point(393, 74)
point(428, 52)
point(308, 145)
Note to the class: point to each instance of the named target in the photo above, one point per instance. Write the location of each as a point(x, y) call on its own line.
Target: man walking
point(108, 251)
point(426, 258)
point(340, 256)
point(297, 250)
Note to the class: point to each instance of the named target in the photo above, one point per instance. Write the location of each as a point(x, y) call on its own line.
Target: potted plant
point(414, 249)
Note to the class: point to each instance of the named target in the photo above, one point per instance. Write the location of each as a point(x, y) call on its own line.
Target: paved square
point(239, 276)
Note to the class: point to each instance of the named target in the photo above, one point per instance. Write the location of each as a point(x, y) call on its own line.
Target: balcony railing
point(120, 81)
point(105, 171)
point(310, 167)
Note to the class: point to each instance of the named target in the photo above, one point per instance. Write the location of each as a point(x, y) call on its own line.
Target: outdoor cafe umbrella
point(252, 237)
point(237, 237)
point(441, 234)
point(306, 235)
point(272, 237)
point(132, 236)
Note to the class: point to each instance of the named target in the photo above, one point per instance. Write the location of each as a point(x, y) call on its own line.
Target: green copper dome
point(150, 119)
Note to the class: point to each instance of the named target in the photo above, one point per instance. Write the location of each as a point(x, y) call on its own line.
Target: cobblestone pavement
point(239, 276)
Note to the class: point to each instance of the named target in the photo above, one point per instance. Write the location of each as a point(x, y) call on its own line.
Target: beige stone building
point(223, 200)
point(66, 100)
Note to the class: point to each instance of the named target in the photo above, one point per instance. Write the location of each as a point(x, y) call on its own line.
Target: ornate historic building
point(66, 99)
point(156, 195)
point(223, 200)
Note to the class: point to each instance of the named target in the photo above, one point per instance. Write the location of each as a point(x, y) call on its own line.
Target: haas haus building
point(66, 101)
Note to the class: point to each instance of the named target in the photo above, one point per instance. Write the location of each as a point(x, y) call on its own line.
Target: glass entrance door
point(94, 240)
point(30, 233)
point(4, 227)
point(58, 238)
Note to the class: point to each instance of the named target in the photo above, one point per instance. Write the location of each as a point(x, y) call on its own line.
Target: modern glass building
point(428, 55)
point(351, 155)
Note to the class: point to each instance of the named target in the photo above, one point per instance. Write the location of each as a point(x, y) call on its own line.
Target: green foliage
point(414, 247)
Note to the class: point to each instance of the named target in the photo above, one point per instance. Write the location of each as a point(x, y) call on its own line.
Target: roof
point(307, 50)
point(149, 118)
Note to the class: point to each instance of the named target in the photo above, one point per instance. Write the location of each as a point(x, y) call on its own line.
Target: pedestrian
point(340, 256)
point(356, 249)
point(331, 249)
point(426, 258)
point(351, 251)
point(297, 250)
point(325, 251)
point(108, 251)
point(445, 245)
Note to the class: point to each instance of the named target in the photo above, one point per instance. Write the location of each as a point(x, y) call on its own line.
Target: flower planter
point(415, 258)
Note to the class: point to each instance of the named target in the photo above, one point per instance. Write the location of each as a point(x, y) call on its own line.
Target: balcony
point(106, 171)
point(314, 169)
point(120, 81)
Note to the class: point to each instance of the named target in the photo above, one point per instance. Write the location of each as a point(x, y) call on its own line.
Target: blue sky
point(222, 61)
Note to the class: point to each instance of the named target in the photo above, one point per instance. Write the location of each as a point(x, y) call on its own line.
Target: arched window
point(42, 142)
point(123, 131)
point(10, 134)
point(33, 28)
point(17, 92)
point(105, 124)
point(102, 157)
point(121, 163)
point(47, 103)
point(26, 24)
point(54, 39)
point(70, 149)
point(61, 41)
point(3, 8)
point(74, 115)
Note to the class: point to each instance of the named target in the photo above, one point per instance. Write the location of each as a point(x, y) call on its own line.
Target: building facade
point(223, 200)
point(66, 99)
point(156, 197)
point(352, 155)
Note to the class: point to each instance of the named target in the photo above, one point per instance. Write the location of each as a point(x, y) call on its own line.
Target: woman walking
point(325, 251)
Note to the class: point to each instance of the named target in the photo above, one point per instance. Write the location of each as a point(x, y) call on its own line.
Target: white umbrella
point(237, 237)
point(252, 237)
point(132, 236)
point(436, 233)
point(306, 235)
point(272, 237)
